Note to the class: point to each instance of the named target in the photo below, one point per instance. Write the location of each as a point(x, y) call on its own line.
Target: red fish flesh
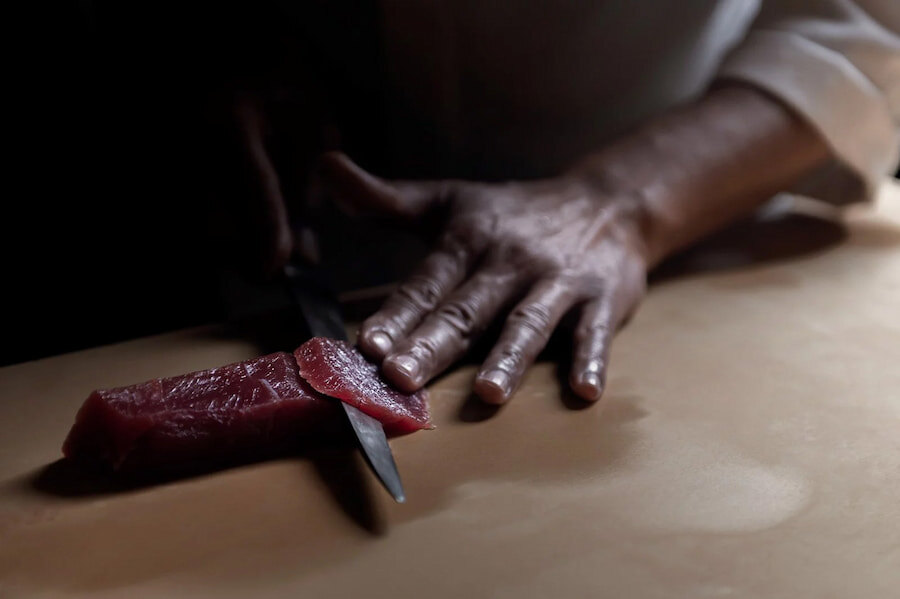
point(338, 370)
point(218, 413)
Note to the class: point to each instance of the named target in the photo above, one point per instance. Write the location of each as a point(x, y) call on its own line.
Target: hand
point(269, 225)
point(581, 242)
point(541, 248)
point(275, 134)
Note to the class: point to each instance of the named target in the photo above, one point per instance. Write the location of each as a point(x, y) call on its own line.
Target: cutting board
point(748, 445)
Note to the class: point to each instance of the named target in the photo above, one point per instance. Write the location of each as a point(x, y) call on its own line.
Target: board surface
point(748, 446)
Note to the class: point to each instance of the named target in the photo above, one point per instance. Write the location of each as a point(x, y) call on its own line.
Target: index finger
point(448, 332)
point(441, 272)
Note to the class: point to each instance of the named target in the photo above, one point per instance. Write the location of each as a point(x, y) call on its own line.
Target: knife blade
point(321, 314)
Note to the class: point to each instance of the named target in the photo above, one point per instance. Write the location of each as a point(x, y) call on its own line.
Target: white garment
point(504, 88)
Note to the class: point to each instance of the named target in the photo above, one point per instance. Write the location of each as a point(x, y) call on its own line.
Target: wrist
point(696, 168)
point(640, 212)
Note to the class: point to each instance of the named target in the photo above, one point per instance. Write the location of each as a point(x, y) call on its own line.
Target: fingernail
point(380, 341)
point(499, 382)
point(407, 366)
point(591, 383)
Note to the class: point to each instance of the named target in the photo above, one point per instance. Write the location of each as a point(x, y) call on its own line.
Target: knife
point(321, 313)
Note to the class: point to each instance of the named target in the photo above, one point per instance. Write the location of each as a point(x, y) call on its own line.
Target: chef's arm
point(698, 168)
point(834, 63)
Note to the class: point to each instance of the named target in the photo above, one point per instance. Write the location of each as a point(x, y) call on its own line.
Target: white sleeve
point(836, 63)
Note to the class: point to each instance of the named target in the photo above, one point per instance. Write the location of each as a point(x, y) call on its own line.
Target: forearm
point(694, 170)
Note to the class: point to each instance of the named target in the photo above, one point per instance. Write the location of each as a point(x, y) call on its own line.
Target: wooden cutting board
point(748, 446)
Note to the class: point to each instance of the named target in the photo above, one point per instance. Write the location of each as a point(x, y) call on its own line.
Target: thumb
point(267, 208)
point(358, 192)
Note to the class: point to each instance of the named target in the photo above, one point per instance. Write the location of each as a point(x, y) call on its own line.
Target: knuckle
point(434, 353)
point(462, 316)
point(379, 322)
point(575, 283)
point(419, 293)
point(469, 232)
point(510, 359)
point(590, 333)
point(456, 236)
point(516, 252)
point(536, 318)
point(426, 350)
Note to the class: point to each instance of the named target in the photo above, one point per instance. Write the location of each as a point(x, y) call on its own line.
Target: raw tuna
point(227, 412)
point(338, 370)
point(209, 414)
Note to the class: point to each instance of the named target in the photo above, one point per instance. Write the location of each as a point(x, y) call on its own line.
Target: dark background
point(121, 202)
point(123, 213)
point(110, 235)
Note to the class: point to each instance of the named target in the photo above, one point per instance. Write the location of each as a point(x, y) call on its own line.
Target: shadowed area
point(338, 464)
point(352, 487)
point(779, 234)
point(473, 409)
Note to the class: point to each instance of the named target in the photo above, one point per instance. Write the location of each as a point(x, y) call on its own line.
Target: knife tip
point(395, 490)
